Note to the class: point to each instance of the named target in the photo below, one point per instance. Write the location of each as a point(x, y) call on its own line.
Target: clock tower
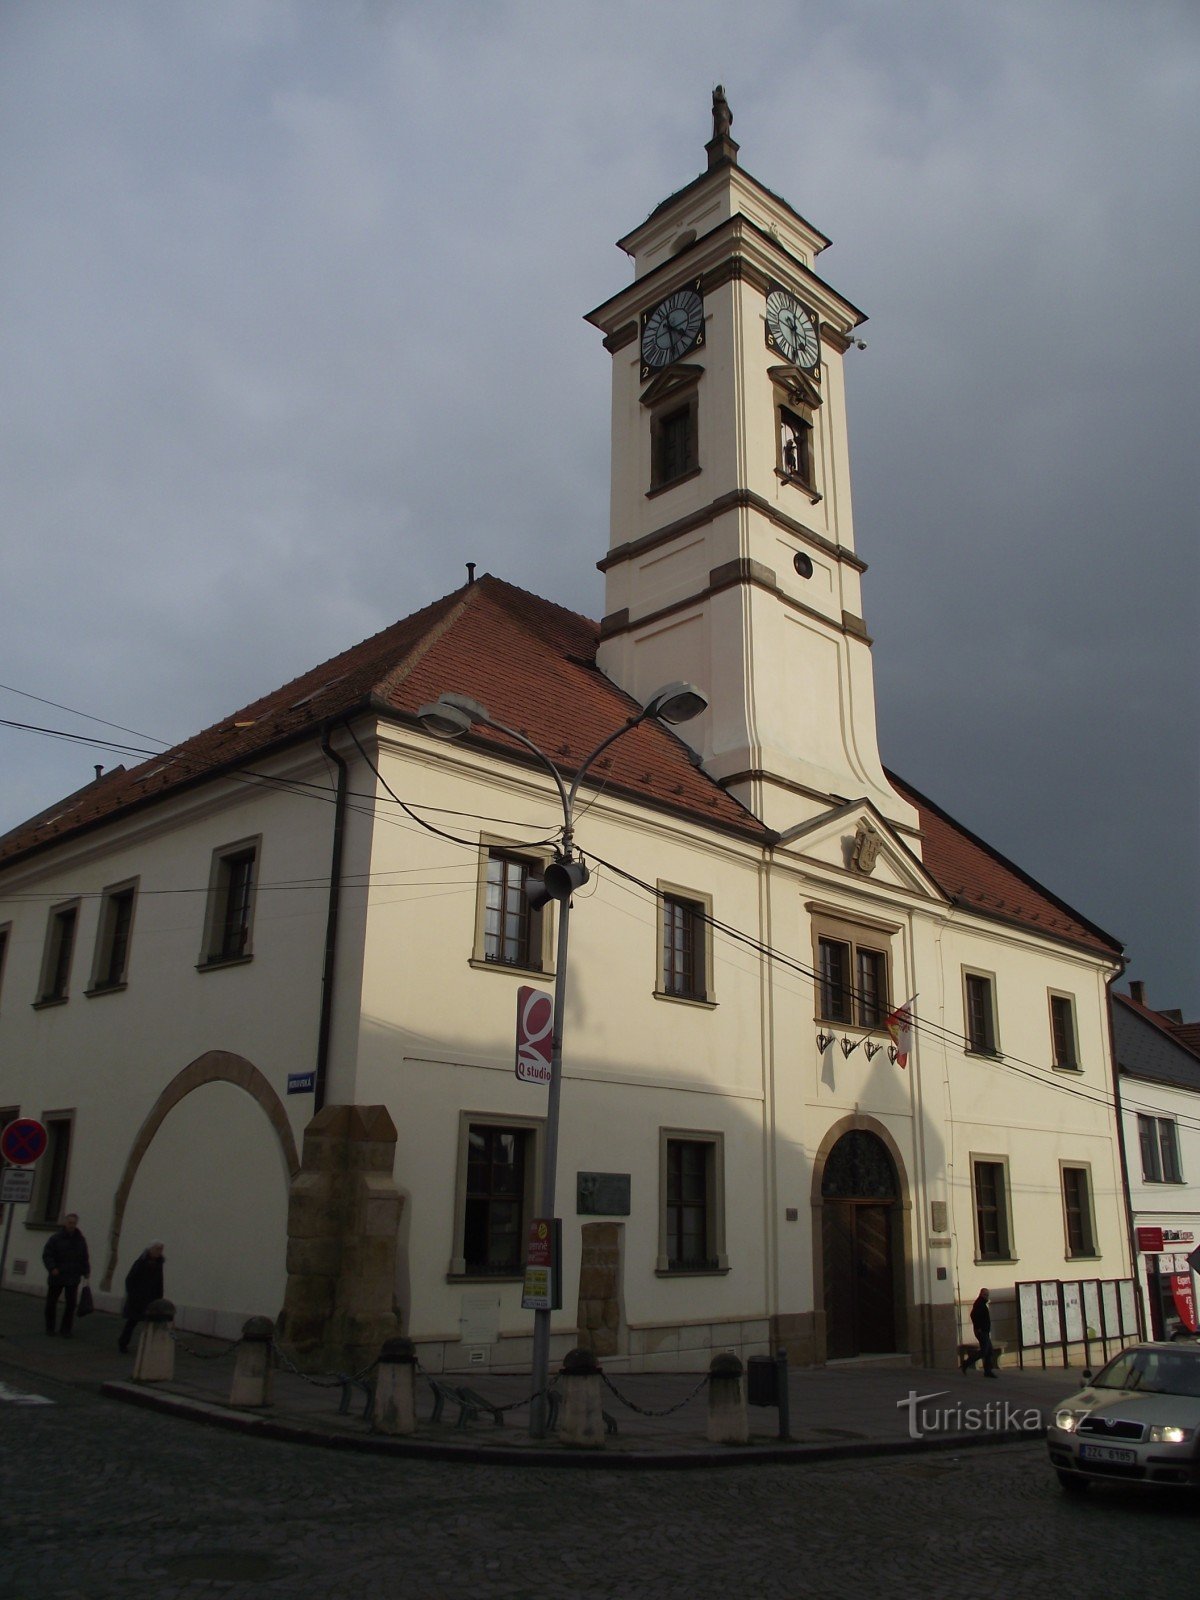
point(731, 556)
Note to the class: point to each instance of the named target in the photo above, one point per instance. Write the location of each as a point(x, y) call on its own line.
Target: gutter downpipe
point(1121, 1153)
point(331, 918)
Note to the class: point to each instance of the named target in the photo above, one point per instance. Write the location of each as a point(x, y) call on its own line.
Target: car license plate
point(1105, 1452)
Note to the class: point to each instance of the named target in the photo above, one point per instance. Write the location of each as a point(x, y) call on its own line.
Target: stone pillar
point(155, 1358)
point(581, 1417)
point(343, 1218)
point(252, 1374)
point(728, 1422)
point(394, 1407)
point(600, 1325)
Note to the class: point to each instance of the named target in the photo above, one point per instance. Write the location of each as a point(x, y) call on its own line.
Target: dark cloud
point(294, 299)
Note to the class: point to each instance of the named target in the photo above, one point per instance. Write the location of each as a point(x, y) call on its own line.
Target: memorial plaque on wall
point(602, 1194)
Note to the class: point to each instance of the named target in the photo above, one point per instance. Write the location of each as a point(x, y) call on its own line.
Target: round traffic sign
point(23, 1141)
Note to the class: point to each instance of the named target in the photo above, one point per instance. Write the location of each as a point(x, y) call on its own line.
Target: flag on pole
point(899, 1024)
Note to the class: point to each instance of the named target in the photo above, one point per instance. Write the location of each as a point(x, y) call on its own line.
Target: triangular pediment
point(857, 839)
point(684, 375)
point(799, 385)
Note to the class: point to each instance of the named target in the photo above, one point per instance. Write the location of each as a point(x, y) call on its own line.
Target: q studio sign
point(535, 1029)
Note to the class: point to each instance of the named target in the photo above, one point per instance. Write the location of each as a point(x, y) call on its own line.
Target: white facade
point(787, 1181)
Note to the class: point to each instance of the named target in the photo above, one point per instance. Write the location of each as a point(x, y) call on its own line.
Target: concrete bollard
point(728, 1422)
point(155, 1358)
point(253, 1375)
point(581, 1417)
point(394, 1404)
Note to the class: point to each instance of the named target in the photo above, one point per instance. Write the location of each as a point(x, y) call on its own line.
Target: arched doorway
point(860, 1213)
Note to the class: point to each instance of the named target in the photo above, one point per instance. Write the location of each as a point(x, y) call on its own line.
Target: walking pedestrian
point(143, 1283)
point(66, 1260)
point(981, 1322)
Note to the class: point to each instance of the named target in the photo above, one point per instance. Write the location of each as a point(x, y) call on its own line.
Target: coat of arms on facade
point(865, 851)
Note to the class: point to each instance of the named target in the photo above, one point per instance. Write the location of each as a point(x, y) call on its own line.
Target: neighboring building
point(1159, 1082)
point(743, 1163)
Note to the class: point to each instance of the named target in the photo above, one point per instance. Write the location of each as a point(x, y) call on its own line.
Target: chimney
point(1137, 991)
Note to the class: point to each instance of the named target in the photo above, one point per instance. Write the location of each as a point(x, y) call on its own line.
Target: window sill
point(703, 1001)
point(996, 1261)
point(210, 963)
point(799, 483)
point(691, 1272)
point(510, 969)
point(105, 988)
point(486, 1277)
point(1084, 1255)
point(983, 1055)
point(1067, 1067)
point(1167, 1183)
point(672, 483)
point(49, 1000)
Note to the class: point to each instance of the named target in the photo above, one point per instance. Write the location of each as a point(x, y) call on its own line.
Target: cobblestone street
point(100, 1500)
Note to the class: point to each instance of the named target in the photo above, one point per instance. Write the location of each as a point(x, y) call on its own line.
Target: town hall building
point(319, 915)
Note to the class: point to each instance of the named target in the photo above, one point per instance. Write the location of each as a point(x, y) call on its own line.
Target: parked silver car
point(1137, 1421)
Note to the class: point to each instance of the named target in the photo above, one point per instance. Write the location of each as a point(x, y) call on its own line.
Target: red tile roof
point(1186, 1034)
point(530, 662)
point(980, 879)
point(533, 665)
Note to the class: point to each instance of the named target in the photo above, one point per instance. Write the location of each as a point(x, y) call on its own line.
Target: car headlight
point(1067, 1420)
point(1164, 1434)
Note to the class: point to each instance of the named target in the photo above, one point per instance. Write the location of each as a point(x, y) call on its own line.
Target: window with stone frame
point(979, 1005)
point(113, 935)
point(1063, 1041)
point(229, 915)
point(685, 945)
point(1077, 1210)
point(1158, 1139)
point(674, 440)
point(495, 1194)
point(993, 1224)
point(852, 983)
point(691, 1202)
point(57, 955)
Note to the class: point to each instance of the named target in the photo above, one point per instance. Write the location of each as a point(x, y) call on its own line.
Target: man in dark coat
point(66, 1261)
point(981, 1321)
point(143, 1283)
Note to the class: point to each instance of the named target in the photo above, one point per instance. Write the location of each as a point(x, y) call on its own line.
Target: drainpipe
point(1134, 1259)
point(331, 917)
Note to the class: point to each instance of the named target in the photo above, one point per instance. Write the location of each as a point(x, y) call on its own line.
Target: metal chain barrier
point(203, 1355)
point(513, 1405)
point(643, 1411)
point(319, 1380)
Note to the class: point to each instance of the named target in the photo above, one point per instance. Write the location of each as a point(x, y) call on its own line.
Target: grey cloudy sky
point(293, 299)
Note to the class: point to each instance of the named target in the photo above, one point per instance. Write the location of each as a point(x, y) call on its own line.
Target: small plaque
point(602, 1194)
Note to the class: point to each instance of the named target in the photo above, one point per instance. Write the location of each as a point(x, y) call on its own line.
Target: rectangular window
point(497, 1174)
point(691, 1202)
point(980, 1013)
point(673, 443)
point(50, 1185)
point(1062, 1032)
point(852, 983)
point(112, 938)
point(231, 896)
point(4, 933)
point(56, 959)
point(7, 1114)
point(512, 930)
point(1159, 1141)
point(992, 1232)
point(685, 942)
point(1077, 1211)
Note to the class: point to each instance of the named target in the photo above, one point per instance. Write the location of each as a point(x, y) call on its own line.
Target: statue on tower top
point(721, 147)
point(722, 116)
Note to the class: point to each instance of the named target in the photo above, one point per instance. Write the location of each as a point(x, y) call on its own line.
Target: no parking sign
point(23, 1141)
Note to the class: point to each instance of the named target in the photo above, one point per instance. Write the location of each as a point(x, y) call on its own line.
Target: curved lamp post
point(450, 716)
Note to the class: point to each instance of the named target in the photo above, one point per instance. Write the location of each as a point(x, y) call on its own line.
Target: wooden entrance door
point(860, 1312)
point(859, 1217)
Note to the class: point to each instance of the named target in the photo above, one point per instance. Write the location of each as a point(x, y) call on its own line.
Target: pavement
point(843, 1410)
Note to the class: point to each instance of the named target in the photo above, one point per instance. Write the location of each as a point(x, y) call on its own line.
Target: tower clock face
point(672, 328)
point(792, 330)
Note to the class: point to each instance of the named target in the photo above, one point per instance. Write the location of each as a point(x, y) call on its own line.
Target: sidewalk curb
point(268, 1427)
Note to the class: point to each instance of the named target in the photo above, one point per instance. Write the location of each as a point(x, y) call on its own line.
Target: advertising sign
point(1150, 1239)
point(1184, 1298)
point(539, 1266)
point(535, 1031)
point(1072, 1304)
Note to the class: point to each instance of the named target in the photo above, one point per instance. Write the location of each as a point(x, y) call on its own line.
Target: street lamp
point(450, 716)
